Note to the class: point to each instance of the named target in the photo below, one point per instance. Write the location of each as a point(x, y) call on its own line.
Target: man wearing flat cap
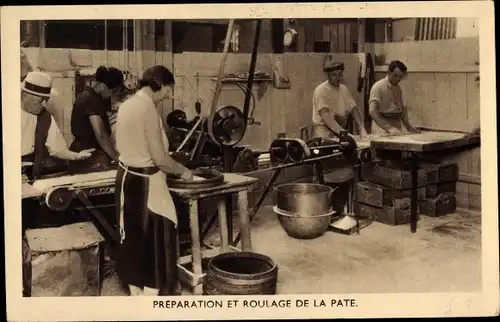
point(332, 104)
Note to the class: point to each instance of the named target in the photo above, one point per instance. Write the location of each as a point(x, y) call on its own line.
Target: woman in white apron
point(147, 254)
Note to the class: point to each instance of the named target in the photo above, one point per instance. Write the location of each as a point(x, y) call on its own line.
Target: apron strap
point(43, 123)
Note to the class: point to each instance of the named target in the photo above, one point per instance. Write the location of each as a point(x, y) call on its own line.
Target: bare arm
point(406, 120)
point(57, 147)
point(377, 118)
point(354, 110)
point(72, 156)
point(102, 137)
point(160, 156)
point(329, 119)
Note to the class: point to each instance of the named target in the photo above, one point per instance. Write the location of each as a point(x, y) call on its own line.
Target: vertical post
point(246, 239)
point(414, 191)
point(361, 35)
point(224, 237)
point(228, 161)
point(388, 31)
point(105, 42)
point(43, 39)
point(195, 244)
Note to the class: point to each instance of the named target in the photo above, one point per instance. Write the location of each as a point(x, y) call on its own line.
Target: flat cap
point(331, 66)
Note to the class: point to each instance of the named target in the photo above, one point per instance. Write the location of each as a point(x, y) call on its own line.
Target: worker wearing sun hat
point(41, 144)
point(42, 141)
point(332, 104)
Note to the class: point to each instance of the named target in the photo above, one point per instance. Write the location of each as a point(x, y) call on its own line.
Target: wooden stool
point(75, 239)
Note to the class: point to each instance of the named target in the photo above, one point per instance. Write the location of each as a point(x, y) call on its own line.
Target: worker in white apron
point(332, 104)
point(147, 254)
point(387, 109)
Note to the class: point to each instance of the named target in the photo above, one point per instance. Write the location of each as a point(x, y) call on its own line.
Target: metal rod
point(259, 202)
point(218, 85)
point(288, 165)
point(253, 62)
point(106, 42)
point(98, 216)
point(188, 136)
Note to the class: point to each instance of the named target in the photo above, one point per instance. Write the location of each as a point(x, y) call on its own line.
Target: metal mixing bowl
point(304, 209)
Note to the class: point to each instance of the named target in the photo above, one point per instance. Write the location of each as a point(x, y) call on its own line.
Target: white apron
point(159, 199)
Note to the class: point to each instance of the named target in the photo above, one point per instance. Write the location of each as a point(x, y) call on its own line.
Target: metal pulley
point(298, 150)
point(59, 198)
point(278, 152)
point(227, 126)
point(348, 144)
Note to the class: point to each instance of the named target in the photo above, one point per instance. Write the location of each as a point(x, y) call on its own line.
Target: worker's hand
point(187, 175)
point(364, 134)
point(393, 130)
point(84, 154)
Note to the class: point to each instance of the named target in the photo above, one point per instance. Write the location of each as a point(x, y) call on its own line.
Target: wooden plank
point(428, 98)
point(474, 196)
point(458, 96)
point(462, 195)
point(475, 162)
point(442, 113)
point(473, 100)
point(334, 38)
point(341, 35)
point(348, 38)
point(421, 142)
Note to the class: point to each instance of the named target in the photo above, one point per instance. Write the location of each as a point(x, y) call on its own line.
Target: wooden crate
point(386, 215)
point(433, 190)
point(379, 196)
point(441, 171)
point(392, 175)
point(442, 205)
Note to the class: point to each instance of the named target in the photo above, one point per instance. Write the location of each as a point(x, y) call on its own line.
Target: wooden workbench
point(417, 146)
point(234, 183)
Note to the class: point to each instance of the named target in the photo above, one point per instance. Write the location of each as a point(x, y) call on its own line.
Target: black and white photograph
point(248, 163)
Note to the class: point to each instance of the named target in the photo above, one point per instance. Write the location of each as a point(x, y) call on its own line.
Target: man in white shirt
point(41, 138)
point(332, 104)
point(387, 108)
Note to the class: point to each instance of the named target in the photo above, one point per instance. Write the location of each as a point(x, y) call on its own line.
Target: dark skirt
point(148, 255)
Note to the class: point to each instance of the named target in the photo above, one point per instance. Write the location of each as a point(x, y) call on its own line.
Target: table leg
point(229, 212)
point(223, 228)
point(414, 192)
point(246, 239)
point(195, 244)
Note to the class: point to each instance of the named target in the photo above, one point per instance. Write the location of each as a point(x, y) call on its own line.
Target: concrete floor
point(443, 256)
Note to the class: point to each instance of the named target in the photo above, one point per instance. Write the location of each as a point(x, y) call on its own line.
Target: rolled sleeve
point(376, 93)
point(320, 101)
point(350, 103)
point(55, 140)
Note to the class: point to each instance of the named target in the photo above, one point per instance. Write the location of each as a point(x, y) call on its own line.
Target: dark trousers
point(340, 196)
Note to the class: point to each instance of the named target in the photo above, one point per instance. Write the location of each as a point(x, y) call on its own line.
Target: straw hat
point(38, 84)
point(331, 66)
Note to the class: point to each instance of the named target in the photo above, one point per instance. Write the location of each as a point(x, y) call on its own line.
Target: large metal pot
point(304, 210)
point(304, 199)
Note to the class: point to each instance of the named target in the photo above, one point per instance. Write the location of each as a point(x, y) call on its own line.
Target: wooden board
point(232, 183)
point(425, 141)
